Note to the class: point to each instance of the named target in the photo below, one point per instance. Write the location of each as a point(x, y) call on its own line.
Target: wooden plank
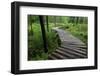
point(51, 57)
point(75, 49)
point(71, 51)
point(67, 55)
point(59, 56)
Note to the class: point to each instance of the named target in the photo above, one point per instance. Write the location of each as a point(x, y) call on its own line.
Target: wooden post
point(43, 33)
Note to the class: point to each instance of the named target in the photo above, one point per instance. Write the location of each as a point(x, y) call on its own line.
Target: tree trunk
point(43, 33)
point(55, 21)
point(47, 23)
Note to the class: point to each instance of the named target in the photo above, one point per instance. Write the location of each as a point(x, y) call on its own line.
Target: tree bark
point(47, 23)
point(43, 33)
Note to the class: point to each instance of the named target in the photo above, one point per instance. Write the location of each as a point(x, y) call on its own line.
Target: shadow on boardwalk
point(71, 47)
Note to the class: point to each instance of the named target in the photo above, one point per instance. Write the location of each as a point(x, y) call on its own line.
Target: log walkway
point(71, 47)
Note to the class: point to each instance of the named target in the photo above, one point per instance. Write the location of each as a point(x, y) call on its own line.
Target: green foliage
point(35, 43)
point(78, 30)
point(52, 41)
point(75, 25)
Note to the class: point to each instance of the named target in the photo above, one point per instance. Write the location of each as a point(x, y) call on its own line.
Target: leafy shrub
point(36, 46)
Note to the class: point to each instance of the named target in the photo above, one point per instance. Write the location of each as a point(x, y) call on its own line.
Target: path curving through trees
point(71, 47)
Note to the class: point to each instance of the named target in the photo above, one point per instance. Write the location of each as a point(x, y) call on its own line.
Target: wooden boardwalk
point(71, 47)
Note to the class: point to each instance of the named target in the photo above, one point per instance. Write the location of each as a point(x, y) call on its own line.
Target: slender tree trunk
point(83, 20)
point(47, 23)
point(31, 25)
point(76, 20)
point(55, 21)
point(79, 20)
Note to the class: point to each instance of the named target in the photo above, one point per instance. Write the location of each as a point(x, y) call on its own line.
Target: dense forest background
point(77, 26)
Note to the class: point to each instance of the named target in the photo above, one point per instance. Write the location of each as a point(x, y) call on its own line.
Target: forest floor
point(71, 47)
